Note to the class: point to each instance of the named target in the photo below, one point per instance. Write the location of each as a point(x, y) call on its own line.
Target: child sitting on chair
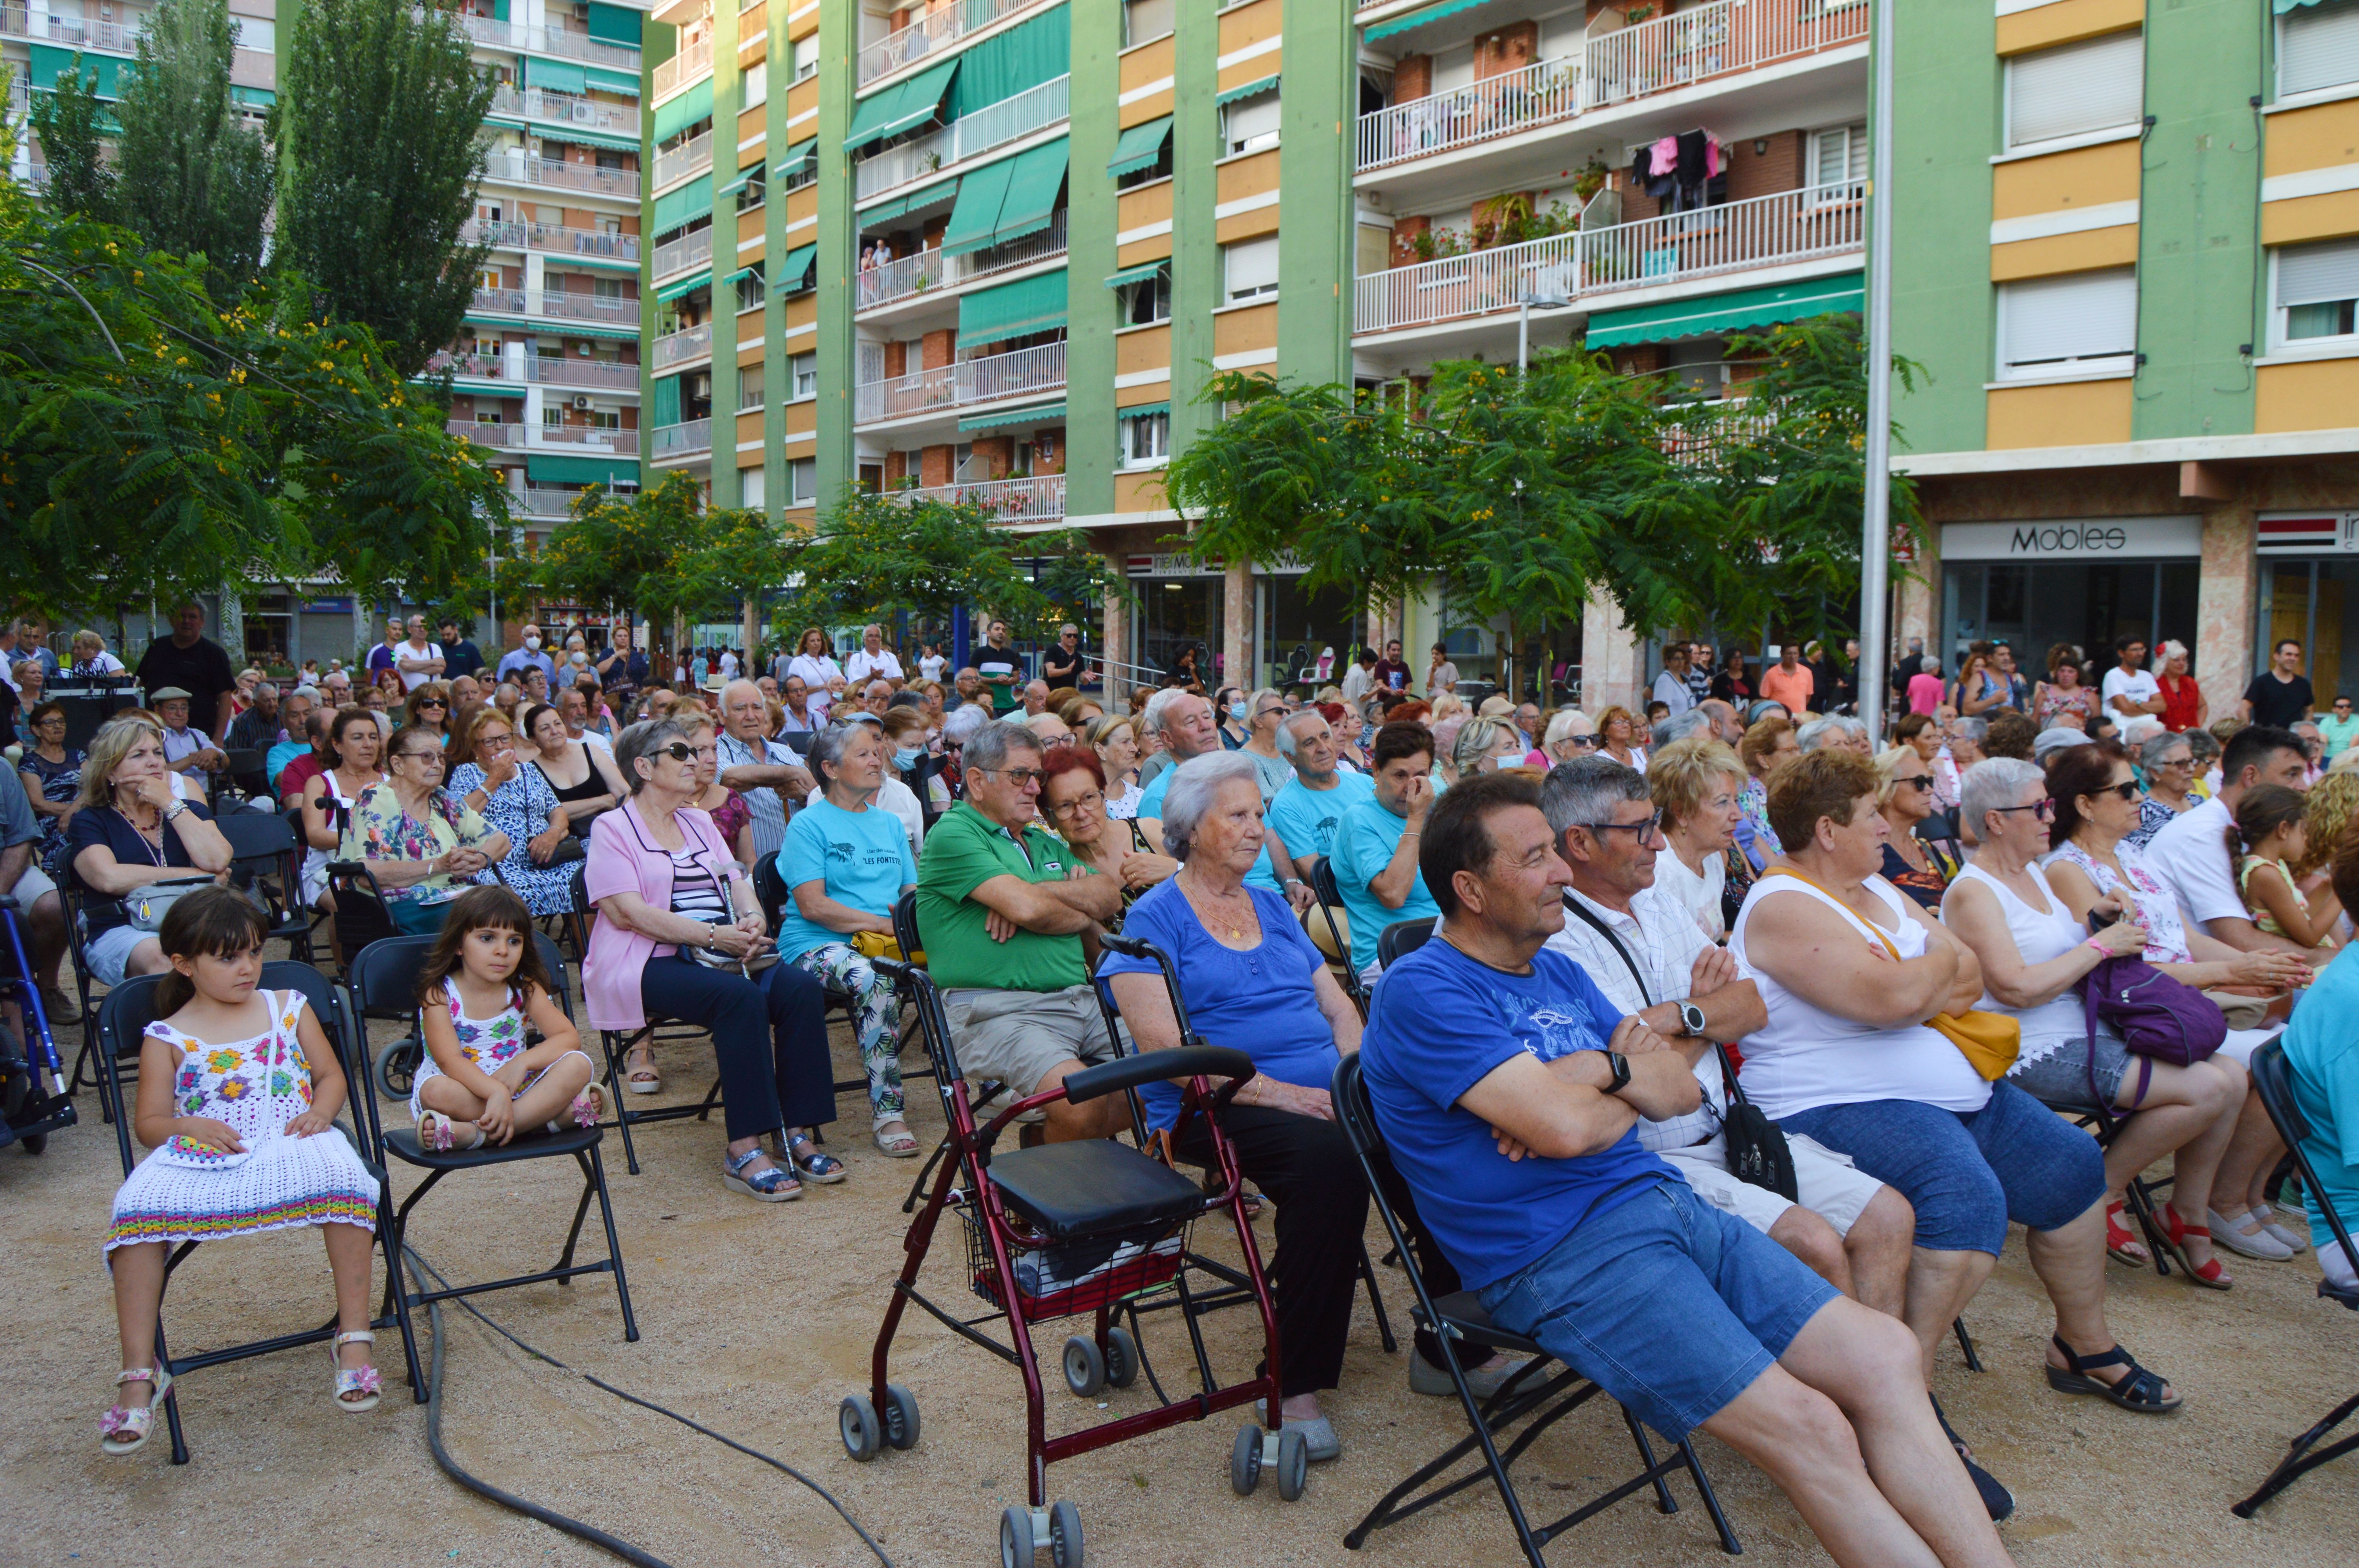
point(483, 981)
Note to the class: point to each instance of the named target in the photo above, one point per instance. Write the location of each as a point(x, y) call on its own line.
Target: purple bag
point(2158, 1018)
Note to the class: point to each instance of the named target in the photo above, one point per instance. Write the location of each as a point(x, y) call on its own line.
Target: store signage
point(2074, 539)
point(328, 606)
point(1174, 565)
point(2307, 532)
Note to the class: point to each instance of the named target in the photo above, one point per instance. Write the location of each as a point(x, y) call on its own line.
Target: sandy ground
point(756, 1319)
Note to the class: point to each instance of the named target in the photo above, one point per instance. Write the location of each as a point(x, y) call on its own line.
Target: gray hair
point(1974, 729)
point(644, 739)
point(1585, 791)
point(1477, 737)
point(308, 692)
point(1680, 726)
point(2156, 746)
point(1189, 795)
point(988, 749)
point(1989, 785)
point(1159, 705)
point(826, 755)
point(1559, 728)
point(1826, 731)
point(960, 725)
point(1928, 665)
point(1286, 741)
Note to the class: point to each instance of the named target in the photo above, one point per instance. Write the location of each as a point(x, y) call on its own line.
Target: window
point(604, 419)
point(802, 370)
point(750, 486)
point(2318, 46)
point(804, 170)
point(1159, 169)
point(2098, 84)
point(1698, 367)
point(487, 417)
point(1839, 163)
point(2317, 290)
point(802, 480)
point(2082, 323)
point(1144, 20)
point(806, 57)
point(752, 291)
point(1145, 438)
point(605, 287)
point(551, 415)
point(1146, 302)
point(749, 386)
point(1250, 124)
point(753, 193)
point(757, 85)
point(1249, 269)
point(256, 33)
point(488, 278)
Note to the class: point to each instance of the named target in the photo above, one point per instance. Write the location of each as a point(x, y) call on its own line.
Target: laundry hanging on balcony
point(1687, 171)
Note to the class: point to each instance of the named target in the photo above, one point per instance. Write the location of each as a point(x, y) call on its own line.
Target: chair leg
point(613, 1245)
point(1728, 1541)
point(614, 1056)
point(1966, 1345)
point(2298, 1460)
point(1376, 1303)
point(1664, 1502)
point(581, 1213)
point(171, 1402)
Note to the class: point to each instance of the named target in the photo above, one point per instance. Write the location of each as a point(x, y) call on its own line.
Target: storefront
point(1304, 640)
point(2082, 582)
point(1180, 604)
point(2309, 572)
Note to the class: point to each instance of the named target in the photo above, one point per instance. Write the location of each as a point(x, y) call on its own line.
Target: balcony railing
point(687, 251)
point(509, 436)
point(1659, 56)
point(550, 370)
point(929, 271)
point(694, 60)
point(932, 32)
point(567, 41)
point(521, 167)
point(1766, 231)
point(74, 33)
point(569, 437)
point(679, 348)
point(562, 305)
point(1040, 498)
point(681, 162)
point(993, 126)
point(566, 108)
point(985, 379)
point(553, 238)
point(538, 500)
point(679, 440)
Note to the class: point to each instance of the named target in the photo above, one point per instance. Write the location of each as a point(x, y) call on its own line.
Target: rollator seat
point(1090, 1186)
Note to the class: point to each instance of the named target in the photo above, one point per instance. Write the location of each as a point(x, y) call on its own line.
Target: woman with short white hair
point(1570, 736)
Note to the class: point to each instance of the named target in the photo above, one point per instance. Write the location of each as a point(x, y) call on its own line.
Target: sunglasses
point(2127, 789)
point(2046, 809)
point(1584, 743)
point(434, 702)
point(1914, 781)
point(681, 751)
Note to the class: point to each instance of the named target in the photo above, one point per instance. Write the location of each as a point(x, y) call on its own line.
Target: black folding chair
point(362, 918)
point(2273, 1080)
point(122, 1021)
point(1330, 903)
point(247, 779)
point(87, 1069)
point(267, 861)
point(384, 983)
point(799, 742)
point(1401, 938)
point(1545, 1398)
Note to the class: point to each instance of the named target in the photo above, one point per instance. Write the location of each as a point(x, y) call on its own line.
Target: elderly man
point(766, 774)
point(526, 655)
point(194, 662)
point(1002, 916)
point(1520, 1141)
point(466, 692)
point(1307, 808)
point(1060, 667)
point(795, 698)
point(186, 750)
point(873, 660)
point(418, 660)
point(1727, 724)
point(875, 696)
point(1035, 697)
point(32, 640)
point(296, 739)
point(573, 707)
point(1185, 722)
point(259, 728)
point(336, 689)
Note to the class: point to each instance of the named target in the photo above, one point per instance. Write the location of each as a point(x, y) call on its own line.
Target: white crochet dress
point(187, 1191)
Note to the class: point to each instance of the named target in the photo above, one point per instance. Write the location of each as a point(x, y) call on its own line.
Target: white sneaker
point(2239, 1234)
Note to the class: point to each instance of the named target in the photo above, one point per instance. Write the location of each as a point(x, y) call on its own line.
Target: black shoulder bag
point(1757, 1151)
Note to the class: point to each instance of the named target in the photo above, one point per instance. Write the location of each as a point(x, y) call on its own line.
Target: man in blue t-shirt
point(1508, 1087)
point(1375, 845)
point(1307, 811)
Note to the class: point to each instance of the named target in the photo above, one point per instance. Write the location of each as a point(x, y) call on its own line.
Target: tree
point(72, 121)
point(622, 553)
point(875, 553)
point(195, 179)
point(733, 560)
point(1073, 578)
point(379, 125)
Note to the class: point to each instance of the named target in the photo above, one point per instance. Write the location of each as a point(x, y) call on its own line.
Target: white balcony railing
point(539, 501)
point(1766, 231)
point(517, 436)
point(679, 440)
point(984, 380)
point(931, 272)
point(694, 60)
point(679, 348)
point(681, 162)
point(553, 238)
point(72, 32)
point(1035, 499)
point(566, 108)
point(932, 32)
point(508, 436)
point(687, 251)
point(571, 42)
point(1658, 56)
point(993, 126)
point(561, 304)
point(519, 166)
point(550, 370)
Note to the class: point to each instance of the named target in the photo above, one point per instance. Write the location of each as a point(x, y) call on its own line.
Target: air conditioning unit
point(582, 403)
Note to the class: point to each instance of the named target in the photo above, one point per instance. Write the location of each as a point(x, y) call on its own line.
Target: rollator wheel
point(1245, 1462)
point(1085, 1367)
point(34, 1142)
point(396, 1069)
point(863, 1433)
point(1121, 1357)
point(1065, 1536)
point(900, 1416)
point(1293, 1464)
point(1016, 1537)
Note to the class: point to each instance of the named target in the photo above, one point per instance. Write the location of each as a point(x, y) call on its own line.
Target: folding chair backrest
point(255, 837)
point(2273, 1080)
point(362, 918)
point(769, 888)
point(799, 742)
point(916, 987)
point(552, 958)
point(905, 923)
point(1401, 938)
point(383, 976)
point(245, 770)
point(1347, 1093)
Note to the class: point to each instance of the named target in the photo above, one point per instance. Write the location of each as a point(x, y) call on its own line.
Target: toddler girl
point(477, 1081)
point(2265, 841)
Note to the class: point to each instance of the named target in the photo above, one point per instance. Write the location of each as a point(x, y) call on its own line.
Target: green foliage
point(73, 123)
point(874, 554)
point(622, 553)
point(379, 124)
point(734, 558)
point(195, 180)
point(1074, 578)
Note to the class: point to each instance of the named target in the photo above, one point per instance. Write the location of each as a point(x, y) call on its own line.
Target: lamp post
point(1524, 309)
point(1875, 523)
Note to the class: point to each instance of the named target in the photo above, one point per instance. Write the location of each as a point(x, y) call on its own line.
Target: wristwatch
point(1621, 1065)
point(1692, 1020)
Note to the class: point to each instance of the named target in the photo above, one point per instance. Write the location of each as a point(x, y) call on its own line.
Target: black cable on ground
point(622, 1549)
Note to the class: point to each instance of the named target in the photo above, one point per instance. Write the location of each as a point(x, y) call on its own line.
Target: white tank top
point(1805, 1057)
point(2040, 935)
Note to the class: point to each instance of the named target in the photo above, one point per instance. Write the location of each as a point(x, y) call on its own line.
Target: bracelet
point(1413, 833)
point(2097, 945)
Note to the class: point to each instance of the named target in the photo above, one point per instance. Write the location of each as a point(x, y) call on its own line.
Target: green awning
point(737, 182)
point(1038, 414)
point(260, 97)
point(700, 278)
point(1029, 305)
point(620, 82)
point(629, 334)
point(675, 207)
point(2282, 6)
point(804, 151)
point(1419, 19)
point(556, 75)
point(974, 221)
point(884, 211)
point(1032, 190)
point(616, 23)
point(1141, 148)
point(674, 116)
point(579, 470)
point(1142, 410)
point(796, 275)
point(1250, 90)
point(743, 272)
point(574, 133)
point(1719, 313)
point(50, 63)
point(1138, 273)
point(901, 108)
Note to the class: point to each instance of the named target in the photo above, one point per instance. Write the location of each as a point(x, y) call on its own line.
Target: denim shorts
point(1968, 1175)
point(2059, 1079)
point(1670, 1306)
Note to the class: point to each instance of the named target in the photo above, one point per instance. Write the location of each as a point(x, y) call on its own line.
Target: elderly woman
point(428, 709)
point(131, 830)
point(2034, 951)
point(1963, 741)
point(1619, 730)
point(515, 799)
point(582, 777)
point(2061, 698)
point(422, 847)
point(1113, 740)
point(30, 679)
point(1570, 736)
point(1250, 978)
point(1852, 975)
point(2166, 767)
point(355, 745)
point(1265, 710)
point(53, 775)
point(1072, 799)
point(1919, 866)
point(1834, 730)
point(1694, 785)
point(1766, 747)
point(846, 862)
point(679, 935)
point(2183, 706)
point(90, 658)
point(1485, 746)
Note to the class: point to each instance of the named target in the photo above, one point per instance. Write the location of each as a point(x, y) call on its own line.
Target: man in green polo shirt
point(1001, 913)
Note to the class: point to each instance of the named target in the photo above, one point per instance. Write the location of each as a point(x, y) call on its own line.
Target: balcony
point(558, 304)
point(520, 167)
point(567, 109)
point(966, 381)
point(931, 272)
point(578, 438)
point(684, 162)
point(550, 370)
point(930, 34)
point(1766, 231)
point(679, 348)
point(571, 43)
point(694, 60)
point(993, 125)
point(73, 33)
point(553, 239)
point(1660, 56)
point(681, 440)
point(687, 251)
point(535, 501)
point(1035, 500)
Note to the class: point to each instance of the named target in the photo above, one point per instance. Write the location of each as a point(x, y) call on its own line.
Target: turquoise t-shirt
point(2338, 733)
point(1305, 819)
point(2323, 1052)
point(1263, 875)
point(1364, 842)
point(860, 858)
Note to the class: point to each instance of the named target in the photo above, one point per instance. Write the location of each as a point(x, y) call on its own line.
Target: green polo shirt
point(964, 850)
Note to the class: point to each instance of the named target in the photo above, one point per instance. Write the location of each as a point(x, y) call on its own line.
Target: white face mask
point(532, 645)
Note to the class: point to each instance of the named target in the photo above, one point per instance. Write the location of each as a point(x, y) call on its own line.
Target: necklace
point(1200, 897)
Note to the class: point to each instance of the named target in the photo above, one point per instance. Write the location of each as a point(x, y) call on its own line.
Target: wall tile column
point(1610, 654)
point(2226, 600)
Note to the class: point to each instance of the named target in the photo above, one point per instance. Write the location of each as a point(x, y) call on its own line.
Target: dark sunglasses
point(681, 751)
point(434, 702)
point(2127, 789)
point(1917, 781)
point(2046, 809)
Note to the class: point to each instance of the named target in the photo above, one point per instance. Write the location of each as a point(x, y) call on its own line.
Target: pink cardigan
point(623, 858)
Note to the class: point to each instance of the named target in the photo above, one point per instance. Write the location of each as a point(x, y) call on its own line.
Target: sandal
point(813, 1166)
point(589, 1107)
point(133, 1423)
point(2176, 1231)
point(2139, 1389)
point(360, 1380)
point(643, 1079)
point(772, 1185)
point(901, 1145)
point(2120, 1245)
point(434, 1132)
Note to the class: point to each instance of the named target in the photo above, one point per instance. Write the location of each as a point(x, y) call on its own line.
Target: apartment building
point(2127, 257)
point(38, 40)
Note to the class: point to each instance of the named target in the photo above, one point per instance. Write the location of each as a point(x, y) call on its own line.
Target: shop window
point(1146, 302)
point(2318, 46)
point(2097, 85)
point(2316, 291)
point(1249, 270)
point(1143, 21)
point(1145, 438)
point(757, 85)
point(2084, 322)
point(1250, 124)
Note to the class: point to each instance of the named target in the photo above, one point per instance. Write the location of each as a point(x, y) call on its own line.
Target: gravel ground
point(754, 1320)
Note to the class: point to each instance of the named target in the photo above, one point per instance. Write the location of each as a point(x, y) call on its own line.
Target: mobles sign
point(2074, 539)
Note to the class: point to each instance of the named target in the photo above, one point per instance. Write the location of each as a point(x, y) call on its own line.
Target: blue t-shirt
point(2323, 1053)
point(1440, 1022)
point(861, 858)
point(1364, 842)
point(1263, 875)
point(1305, 819)
point(1261, 1002)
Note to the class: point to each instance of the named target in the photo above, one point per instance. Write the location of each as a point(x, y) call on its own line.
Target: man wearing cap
point(186, 751)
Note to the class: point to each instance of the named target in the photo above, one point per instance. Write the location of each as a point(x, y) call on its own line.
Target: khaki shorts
point(1016, 1037)
point(1830, 1187)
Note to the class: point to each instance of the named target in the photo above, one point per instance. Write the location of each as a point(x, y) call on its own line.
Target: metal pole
point(1875, 532)
point(1524, 333)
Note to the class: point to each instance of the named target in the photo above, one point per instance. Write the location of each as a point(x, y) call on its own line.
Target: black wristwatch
point(1621, 1065)
point(1692, 1020)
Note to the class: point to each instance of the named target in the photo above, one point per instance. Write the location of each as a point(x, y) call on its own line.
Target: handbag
point(146, 908)
point(1990, 1042)
point(714, 958)
point(876, 945)
point(2159, 1019)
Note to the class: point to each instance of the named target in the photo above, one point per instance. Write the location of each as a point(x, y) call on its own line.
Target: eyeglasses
point(2127, 789)
point(1019, 778)
point(434, 702)
point(1584, 743)
point(1916, 780)
point(681, 751)
point(1644, 831)
point(2046, 809)
point(1073, 807)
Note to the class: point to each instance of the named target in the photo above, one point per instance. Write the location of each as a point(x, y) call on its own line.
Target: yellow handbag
point(1990, 1042)
point(876, 945)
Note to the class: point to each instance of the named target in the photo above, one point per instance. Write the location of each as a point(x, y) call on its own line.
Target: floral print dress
point(520, 809)
point(490, 1043)
point(379, 829)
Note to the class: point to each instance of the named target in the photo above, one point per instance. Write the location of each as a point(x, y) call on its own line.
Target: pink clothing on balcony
point(1665, 158)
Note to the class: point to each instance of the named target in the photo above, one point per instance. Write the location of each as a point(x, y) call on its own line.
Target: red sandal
point(2210, 1276)
point(2120, 1245)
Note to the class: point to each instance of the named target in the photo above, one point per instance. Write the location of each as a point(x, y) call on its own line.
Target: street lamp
point(1875, 522)
point(1524, 309)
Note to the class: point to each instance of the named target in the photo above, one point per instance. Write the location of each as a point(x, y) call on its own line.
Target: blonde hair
point(113, 741)
point(1679, 777)
point(2328, 811)
point(1887, 762)
point(1449, 705)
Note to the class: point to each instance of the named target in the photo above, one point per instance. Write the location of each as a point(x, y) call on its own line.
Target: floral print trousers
point(878, 1023)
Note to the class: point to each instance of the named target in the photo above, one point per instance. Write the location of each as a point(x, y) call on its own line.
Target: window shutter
point(2051, 323)
point(2095, 85)
point(2318, 46)
point(2312, 274)
point(1251, 117)
point(1250, 264)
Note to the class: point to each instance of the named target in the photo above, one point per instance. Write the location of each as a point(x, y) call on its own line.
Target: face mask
point(1237, 711)
point(906, 758)
point(532, 645)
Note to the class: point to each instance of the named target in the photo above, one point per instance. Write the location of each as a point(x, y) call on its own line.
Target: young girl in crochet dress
point(238, 1089)
point(477, 1081)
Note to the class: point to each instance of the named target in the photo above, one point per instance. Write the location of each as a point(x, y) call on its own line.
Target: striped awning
point(700, 278)
point(1140, 274)
point(1419, 19)
point(1250, 90)
point(1141, 147)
